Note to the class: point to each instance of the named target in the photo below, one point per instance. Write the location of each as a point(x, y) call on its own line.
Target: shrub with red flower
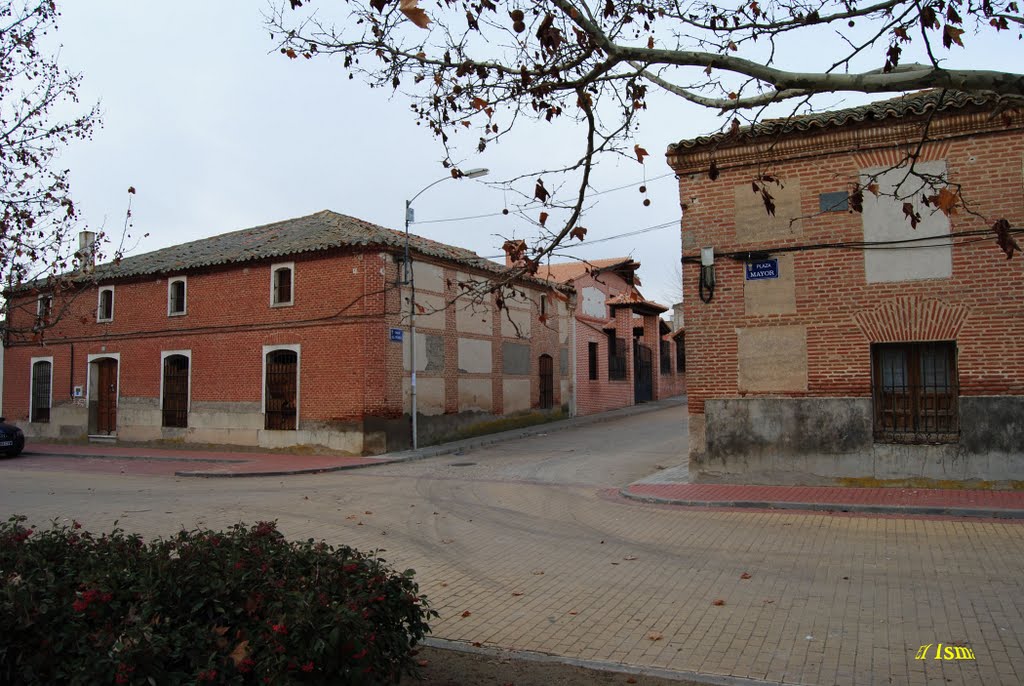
point(242, 606)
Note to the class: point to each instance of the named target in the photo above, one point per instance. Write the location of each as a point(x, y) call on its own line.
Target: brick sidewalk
point(1003, 504)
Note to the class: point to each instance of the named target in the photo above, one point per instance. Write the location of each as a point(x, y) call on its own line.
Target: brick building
point(287, 334)
point(828, 342)
point(624, 352)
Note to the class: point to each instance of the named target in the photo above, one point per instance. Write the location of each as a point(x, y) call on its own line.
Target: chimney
point(86, 254)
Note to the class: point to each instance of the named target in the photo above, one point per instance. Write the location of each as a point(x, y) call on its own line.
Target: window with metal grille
point(681, 354)
point(176, 296)
point(105, 308)
point(547, 382)
point(665, 356)
point(41, 385)
point(282, 284)
point(175, 407)
point(282, 381)
point(592, 360)
point(915, 392)
point(616, 357)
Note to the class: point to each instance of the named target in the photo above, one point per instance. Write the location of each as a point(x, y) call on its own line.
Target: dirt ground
point(441, 667)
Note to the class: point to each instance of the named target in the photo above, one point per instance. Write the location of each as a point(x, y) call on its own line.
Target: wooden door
point(106, 396)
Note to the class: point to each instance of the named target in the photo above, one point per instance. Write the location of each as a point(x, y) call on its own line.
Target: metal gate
point(547, 383)
point(643, 374)
point(281, 384)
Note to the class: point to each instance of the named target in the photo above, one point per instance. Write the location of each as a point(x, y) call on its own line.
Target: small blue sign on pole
point(763, 269)
point(396, 335)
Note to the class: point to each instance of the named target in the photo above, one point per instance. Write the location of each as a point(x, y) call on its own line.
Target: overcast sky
point(218, 132)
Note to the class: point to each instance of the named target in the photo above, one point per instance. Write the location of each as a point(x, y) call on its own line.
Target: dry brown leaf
point(538, 572)
point(630, 557)
point(466, 613)
point(718, 601)
point(744, 575)
point(655, 636)
point(413, 13)
point(240, 652)
point(517, 593)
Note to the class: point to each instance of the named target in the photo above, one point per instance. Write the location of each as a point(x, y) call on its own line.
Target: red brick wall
point(834, 300)
point(228, 321)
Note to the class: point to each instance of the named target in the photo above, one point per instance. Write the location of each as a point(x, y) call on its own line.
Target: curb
point(926, 510)
point(465, 444)
point(695, 678)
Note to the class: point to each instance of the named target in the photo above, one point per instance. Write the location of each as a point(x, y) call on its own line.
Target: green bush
point(243, 606)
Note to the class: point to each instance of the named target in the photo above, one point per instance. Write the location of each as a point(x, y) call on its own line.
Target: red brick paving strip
point(827, 495)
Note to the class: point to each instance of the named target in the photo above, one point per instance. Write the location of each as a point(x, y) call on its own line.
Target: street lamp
point(409, 279)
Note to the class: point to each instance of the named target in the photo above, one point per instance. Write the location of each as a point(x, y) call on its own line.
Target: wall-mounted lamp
point(706, 287)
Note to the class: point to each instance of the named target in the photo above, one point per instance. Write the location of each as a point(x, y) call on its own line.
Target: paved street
point(532, 540)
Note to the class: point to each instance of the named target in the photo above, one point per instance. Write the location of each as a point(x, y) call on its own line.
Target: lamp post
point(410, 279)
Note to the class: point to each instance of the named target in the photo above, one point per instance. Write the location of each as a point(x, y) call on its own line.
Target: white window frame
point(274, 268)
point(164, 354)
point(297, 349)
point(45, 297)
point(31, 382)
point(184, 298)
point(99, 304)
point(89, 359)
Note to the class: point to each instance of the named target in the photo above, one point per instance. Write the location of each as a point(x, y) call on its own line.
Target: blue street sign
point(763, 269)
point(396, 335)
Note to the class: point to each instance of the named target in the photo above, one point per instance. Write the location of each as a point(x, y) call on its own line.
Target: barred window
point(175, 400)
point(681, 353)
point(915, 392)
point(616, 357)
point(42, 378)
point(665, 354)
point(592, 360)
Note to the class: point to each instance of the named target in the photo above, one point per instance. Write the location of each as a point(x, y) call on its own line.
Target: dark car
point(12, 440)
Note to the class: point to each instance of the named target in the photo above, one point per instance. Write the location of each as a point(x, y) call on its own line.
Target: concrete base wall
point(829, 440)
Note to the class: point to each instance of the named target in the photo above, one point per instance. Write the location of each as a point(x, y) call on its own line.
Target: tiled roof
point(912, 104)
point(568, 271)
point(635, 301)
point(321, 231)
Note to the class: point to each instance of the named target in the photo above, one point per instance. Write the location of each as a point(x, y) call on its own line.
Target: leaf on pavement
point(718, 601)
point(744, 575)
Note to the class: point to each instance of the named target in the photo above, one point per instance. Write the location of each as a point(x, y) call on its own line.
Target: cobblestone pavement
point(530, 547)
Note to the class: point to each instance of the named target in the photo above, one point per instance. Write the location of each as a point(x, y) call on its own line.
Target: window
point(44, 308)
point(282, 281)
point(176, 296)
point(915, 392)
point(592, 359)
point(616, 357)
point(42, 383)
point(105, 307)
point(543, 306)
point(681, 354)
point(174, 399)
point(665, 356)
point(281, 388)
